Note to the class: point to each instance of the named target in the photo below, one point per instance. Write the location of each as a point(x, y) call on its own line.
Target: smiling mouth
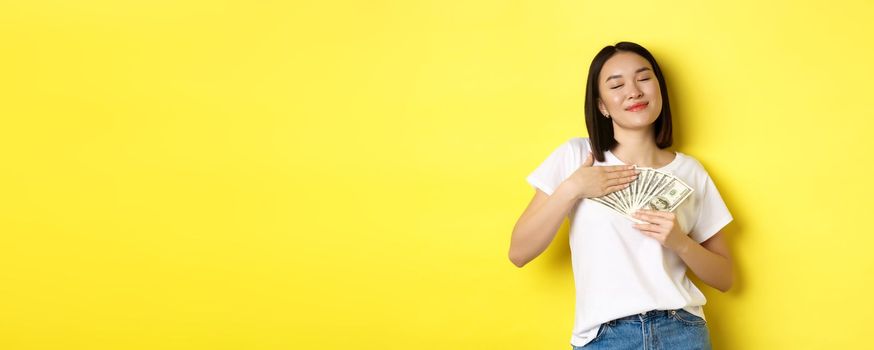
point(638, 107)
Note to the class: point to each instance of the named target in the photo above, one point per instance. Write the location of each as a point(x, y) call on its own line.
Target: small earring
point(606, 116)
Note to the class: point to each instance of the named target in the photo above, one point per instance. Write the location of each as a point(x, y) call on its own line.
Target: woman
point(632, 291)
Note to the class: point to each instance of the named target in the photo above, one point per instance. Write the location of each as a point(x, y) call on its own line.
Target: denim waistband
point(648, 315)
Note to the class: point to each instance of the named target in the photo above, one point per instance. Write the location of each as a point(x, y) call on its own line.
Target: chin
point(638, 123)
point(643, 120)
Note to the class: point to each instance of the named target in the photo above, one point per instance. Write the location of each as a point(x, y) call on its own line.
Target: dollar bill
point(652, 189)
point(670, 196)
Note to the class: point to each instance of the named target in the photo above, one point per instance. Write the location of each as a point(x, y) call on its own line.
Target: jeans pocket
point(688, 318)
point(601, 330)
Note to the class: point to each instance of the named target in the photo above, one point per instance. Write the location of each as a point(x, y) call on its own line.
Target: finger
point(651, 218)
point(589, 160)
point(663, 214)
point(623, 173)
point(658, 237)
point(615, 188)
point(612, 168)
point(621, 180)
point(648, 228)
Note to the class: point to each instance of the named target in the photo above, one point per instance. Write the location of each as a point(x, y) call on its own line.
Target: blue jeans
point(653, 330)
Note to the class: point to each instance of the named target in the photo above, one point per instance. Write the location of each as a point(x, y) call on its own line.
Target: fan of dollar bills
point(653, 189)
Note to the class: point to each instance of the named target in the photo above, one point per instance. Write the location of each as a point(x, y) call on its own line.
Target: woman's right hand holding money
point(595, 181)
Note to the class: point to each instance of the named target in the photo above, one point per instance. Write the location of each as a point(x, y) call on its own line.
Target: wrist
point(684, 246)
point(569, 190)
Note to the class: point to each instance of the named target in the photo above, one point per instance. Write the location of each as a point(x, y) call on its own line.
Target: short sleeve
point(555, 169)
point(713, 214)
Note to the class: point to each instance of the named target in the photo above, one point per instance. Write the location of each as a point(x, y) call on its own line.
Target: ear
point(602, 107)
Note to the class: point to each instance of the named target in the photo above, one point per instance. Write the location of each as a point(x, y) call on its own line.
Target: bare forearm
point(713, 269)
point(533, 234)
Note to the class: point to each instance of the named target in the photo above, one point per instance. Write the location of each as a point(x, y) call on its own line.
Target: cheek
point(614, 100)
point(611, 101)
point(653, 90)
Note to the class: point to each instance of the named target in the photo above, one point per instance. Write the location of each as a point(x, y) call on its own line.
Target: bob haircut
point(600, 128)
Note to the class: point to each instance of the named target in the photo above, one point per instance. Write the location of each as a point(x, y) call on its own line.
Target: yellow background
point(327, 175)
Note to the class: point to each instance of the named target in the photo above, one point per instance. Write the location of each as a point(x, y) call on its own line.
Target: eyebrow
point(619, 76)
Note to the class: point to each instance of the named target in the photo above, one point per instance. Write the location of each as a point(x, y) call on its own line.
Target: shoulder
point(572, 148)
point(576, 148)
point(691, 170)
point(691, 163)
point(580, 145)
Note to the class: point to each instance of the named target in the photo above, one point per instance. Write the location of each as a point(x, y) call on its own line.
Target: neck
point(639, 147)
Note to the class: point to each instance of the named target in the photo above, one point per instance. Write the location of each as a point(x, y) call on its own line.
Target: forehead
point(624, 64)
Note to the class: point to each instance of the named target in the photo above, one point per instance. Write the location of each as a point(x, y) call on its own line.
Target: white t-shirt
point(618, 271)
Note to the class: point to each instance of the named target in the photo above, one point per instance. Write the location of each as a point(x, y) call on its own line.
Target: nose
point(634, 92)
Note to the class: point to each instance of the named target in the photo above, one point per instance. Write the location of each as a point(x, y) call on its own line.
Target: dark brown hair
point(600, 128)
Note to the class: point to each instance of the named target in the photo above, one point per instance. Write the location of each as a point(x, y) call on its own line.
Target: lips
point(637, 106)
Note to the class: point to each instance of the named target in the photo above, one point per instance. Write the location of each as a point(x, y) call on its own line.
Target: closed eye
point(620, 85)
